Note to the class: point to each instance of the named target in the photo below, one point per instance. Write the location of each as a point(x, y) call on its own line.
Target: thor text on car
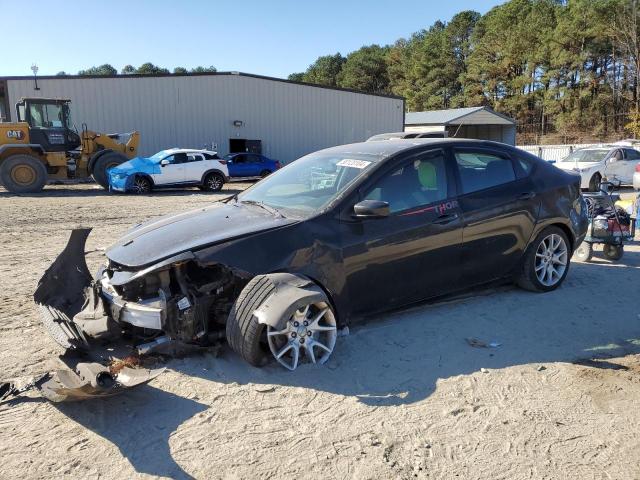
point(339, 234)
point(170, 169)
point(615, 163)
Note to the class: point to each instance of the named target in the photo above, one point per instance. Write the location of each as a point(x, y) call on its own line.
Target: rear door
point(414, 253)
point(499, 207)
point(195, 167)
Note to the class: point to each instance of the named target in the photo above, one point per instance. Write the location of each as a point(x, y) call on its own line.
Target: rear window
point(210, 156)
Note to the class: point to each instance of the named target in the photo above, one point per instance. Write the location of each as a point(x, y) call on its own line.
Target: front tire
point(546, 262)
point(141, 186)
point(23, 174)
point(309, 333)
point(105, 163)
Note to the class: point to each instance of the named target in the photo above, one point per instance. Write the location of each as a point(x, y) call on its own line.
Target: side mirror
point(164, 163)
point(371, 209)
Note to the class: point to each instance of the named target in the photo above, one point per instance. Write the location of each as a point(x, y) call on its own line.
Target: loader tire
point(104, 163)
point(23, 174)
point(244, 333)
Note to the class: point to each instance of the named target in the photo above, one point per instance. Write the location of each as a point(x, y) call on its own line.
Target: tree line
point(144, 69)
point(565, 70)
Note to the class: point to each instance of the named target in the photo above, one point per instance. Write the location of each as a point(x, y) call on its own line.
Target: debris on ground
point(484, 370)
point(541, 368)
point(343, 332)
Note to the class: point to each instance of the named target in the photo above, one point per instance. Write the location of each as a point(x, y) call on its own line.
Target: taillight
point(278, 164)
point(638, 167)
point(223, 162)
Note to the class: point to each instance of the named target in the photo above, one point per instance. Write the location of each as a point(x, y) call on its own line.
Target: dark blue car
point(250, 165)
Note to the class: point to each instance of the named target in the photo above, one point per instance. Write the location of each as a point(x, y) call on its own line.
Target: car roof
point(386, 149)
point(189, 150)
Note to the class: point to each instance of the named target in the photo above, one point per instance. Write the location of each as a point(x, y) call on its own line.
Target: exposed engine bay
point(169, 309)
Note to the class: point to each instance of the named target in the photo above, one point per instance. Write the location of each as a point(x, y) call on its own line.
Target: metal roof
point(458, 116)
point(198, 74)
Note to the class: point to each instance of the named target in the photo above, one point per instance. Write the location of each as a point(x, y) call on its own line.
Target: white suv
point(175, 167)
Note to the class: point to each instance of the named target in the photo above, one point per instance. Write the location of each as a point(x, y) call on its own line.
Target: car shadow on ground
point(93, 191)
point(140, 423)
point(400, 358)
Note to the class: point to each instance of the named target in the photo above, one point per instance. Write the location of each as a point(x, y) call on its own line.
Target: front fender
point(291, 293)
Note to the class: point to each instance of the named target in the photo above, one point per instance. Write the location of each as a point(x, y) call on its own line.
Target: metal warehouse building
point(233, 111)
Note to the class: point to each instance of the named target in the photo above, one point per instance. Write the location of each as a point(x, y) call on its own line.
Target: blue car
point(177, 167)
point(250, 165)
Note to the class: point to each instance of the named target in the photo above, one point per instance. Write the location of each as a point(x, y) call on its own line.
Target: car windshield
point(309, 184)
point(160, 155)
point(586, 156)
point(229, 156)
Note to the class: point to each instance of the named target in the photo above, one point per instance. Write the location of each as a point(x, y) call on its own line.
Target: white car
point(615, 163)
point(176, 167)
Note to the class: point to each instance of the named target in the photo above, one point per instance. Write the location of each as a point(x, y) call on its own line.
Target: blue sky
point(270, 37)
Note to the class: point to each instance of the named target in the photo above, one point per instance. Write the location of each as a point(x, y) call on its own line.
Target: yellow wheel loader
point(42, 145)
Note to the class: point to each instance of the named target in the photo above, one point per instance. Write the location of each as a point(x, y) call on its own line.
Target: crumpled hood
point(137, 164)
point(159, 239)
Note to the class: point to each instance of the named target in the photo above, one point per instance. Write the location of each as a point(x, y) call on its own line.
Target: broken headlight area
point(171, 308)
point(175, 306)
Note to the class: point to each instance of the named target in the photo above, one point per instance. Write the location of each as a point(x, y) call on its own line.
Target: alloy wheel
point(551, 260)
point(311, 328)
point(141, 185)
point(214, 183)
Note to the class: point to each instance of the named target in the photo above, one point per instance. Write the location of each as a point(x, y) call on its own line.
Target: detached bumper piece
point(73, 312)
point(91, 380)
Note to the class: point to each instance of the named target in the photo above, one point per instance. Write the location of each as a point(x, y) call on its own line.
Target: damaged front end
point(172, 307)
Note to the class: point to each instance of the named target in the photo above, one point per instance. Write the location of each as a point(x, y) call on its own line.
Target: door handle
point(527, 195)
point(446, 218)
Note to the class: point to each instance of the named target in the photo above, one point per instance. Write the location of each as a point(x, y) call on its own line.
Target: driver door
point(172, 170)
point(415, 252)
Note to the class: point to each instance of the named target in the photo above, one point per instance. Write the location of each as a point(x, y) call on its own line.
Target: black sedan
point(342, 233)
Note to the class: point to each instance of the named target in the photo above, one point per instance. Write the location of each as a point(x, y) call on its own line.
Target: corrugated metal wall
point(191, 111)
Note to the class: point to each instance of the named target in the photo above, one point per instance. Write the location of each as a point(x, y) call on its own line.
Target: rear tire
point(594, 183)
point(584, 252)
point(613, 252)
point(536, 261)
point(103, 164)
point(213, 182)
point(244, 333)
point(23, 174)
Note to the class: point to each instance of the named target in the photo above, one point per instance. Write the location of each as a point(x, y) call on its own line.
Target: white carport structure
point(473, 122)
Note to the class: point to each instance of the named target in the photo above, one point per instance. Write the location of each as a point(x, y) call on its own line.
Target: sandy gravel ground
point(403, 396)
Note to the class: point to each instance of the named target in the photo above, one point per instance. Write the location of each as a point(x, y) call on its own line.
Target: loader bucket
point(61, 292)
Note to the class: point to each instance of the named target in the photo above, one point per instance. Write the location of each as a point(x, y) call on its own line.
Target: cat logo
point(17, 134)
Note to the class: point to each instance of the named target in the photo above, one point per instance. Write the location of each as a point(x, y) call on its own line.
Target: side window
point(240, 159)
point(631, 154)
point(194, 157)
point(177, 158)
point(420, 181)
point(211, 156)
point(480, 170)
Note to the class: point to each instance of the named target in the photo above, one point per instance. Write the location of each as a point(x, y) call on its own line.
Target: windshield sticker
point(350, 162)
